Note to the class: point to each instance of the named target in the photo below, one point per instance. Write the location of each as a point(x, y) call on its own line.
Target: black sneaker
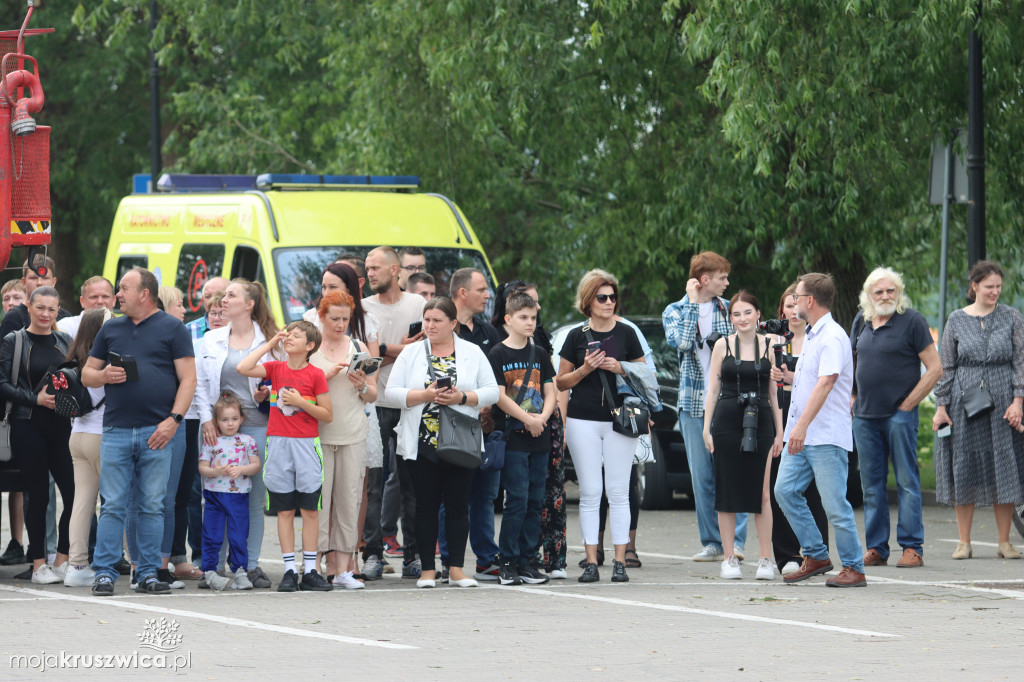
point(123, 567)
point(314, 582)
point(444, 573)
point(590, 574)
point(619, 572)
point(531, 576)
point(151, 585)
point(103, 586)
point(507, 575)
point(412, 569)
point(132, 582)
point(258, 578)
point(289, 583)
point(13, 555)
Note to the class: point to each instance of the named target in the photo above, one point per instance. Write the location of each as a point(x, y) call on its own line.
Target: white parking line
point(706, 612)
point(101, 601)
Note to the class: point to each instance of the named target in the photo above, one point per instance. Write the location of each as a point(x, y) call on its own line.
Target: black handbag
point(458, 435)
point(977, 401)
point(633, 418)
point(497, 441)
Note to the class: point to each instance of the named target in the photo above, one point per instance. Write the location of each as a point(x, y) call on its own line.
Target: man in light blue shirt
point(819, 438)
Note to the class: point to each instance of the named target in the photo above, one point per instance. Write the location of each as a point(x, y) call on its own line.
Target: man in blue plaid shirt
point(691, 326)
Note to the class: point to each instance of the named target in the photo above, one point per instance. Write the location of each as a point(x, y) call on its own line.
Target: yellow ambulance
point(282, 230)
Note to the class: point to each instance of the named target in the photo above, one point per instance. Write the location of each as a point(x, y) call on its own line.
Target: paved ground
point(675, 619)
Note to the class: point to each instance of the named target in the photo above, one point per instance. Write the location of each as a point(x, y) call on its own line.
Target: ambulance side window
point(196, 264)
point(126, 263)
point(247, 264)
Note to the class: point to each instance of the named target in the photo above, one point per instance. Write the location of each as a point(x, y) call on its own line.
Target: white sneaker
point(241, 581)
point(559, 574)
point(731, 569)
point(790, 567)
point(44, 576)
point(215, 581)
point(61, 571)
point(79, 576)
point(765, 569)
point(347, 581)
point(708, 553)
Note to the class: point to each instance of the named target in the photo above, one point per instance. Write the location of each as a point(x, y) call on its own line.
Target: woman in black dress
point(740, 382)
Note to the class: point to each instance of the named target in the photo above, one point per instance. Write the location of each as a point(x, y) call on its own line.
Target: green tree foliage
point(788, 136)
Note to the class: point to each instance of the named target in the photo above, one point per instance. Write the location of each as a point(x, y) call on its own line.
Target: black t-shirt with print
point(586, 400)
point(510, 369)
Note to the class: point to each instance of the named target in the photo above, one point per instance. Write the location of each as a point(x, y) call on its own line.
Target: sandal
point(189, 573)
point(633, 562)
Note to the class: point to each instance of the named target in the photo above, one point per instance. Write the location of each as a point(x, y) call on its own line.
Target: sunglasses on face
point(604, 298)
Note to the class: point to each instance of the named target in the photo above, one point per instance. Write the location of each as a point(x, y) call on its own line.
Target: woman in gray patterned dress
point(981, 462)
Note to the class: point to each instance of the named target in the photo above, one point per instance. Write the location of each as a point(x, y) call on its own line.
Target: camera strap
point(757, 364)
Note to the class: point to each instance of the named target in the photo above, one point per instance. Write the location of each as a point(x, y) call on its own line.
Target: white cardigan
point(213, 352)
point(473, 372)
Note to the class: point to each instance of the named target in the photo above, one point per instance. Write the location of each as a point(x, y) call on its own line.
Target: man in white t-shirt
point(692, 325)
point(396, 311)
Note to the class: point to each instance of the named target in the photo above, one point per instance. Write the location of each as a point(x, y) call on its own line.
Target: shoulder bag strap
point(16, 368)
point(607, 391)
point(430, 366)
point(522, 387)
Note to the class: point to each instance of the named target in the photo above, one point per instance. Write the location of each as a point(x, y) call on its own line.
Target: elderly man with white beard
point(890, 342)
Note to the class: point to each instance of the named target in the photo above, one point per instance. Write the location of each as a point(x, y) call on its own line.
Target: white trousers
point(592, 445)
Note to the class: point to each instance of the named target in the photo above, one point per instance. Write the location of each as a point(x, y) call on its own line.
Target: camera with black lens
point(777, 327)
point(711, 339)
point(749, 403)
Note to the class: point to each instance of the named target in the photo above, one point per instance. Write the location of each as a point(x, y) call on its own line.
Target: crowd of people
point(408, 408)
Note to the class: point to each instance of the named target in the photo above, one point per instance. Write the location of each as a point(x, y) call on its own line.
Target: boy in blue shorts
point(293, 472)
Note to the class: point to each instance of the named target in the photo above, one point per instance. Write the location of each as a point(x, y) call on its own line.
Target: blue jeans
point(176, 449)
point(481, 516)
point(702, 474)
point(878, 441)
point(828, 466)
point(124, 455)
point(523, 477)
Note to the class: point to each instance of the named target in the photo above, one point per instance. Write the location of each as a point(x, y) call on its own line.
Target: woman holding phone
point(464, 382)
point(250, 324)
point(598, 346)
point(343, 439)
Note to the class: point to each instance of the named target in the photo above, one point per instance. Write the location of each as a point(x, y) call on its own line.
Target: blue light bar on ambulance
point(284, 180)
point(188, 182)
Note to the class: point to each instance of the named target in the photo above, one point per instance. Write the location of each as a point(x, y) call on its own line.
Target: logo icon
point(160, 635)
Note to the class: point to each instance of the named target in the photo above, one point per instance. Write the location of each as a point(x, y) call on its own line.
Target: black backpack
point(71, 396)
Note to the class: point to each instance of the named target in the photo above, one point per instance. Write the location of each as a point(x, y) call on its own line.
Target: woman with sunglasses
point(598, 346)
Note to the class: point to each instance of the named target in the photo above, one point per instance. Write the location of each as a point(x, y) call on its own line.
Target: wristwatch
point(464, 397)
point(176, 417)
point(383, 349)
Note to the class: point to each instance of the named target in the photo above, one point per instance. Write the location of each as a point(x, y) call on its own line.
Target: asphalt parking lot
point(675, 619)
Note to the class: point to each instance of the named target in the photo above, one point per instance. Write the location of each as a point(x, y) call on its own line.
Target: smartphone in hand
point(444, 383)
point(415, 328)
point(593, 347)
point(127, 362)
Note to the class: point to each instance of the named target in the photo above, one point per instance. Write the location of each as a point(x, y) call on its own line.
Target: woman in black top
point(39, 437)
point(598, 346)
point(739, 385)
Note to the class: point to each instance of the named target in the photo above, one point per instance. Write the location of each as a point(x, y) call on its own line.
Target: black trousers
point(41, 444)
point(438, 482)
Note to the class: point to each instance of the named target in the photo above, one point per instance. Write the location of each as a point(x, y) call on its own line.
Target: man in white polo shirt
point(819, 438)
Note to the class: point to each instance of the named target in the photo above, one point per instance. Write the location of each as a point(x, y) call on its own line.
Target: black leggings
point(438, 482)
point(634, 502)
point(41, 444)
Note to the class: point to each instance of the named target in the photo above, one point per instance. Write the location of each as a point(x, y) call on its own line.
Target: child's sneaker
point(314, 582)
point(372, 568)
point(289, 583)
point(164, 575)
point(241, 581)
point(215, 581)
point(347, 581)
